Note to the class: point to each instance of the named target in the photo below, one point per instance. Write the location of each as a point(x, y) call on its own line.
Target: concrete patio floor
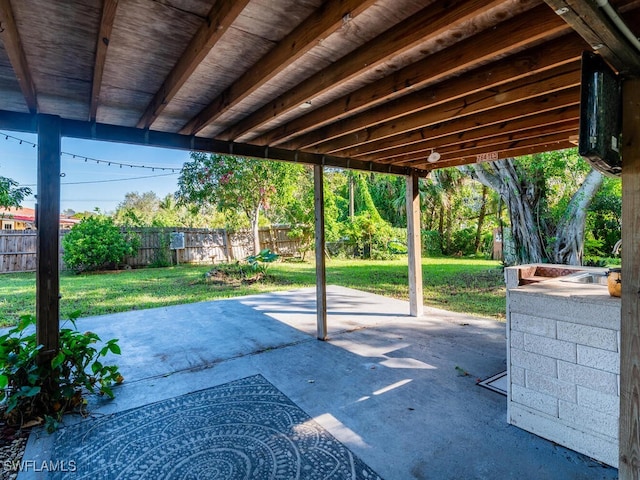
point(385, 384)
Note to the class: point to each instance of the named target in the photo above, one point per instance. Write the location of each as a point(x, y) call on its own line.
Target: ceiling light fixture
point(433, 156)
point(305, 105)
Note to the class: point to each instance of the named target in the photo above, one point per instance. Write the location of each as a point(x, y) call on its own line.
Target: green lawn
point(458, 284)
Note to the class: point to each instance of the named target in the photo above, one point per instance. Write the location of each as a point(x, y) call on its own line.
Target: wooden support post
point(48, 236)
point(629, 466)
point(416, 307)
point(321, 278)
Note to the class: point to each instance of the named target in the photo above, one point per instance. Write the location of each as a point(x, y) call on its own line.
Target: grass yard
point(458, 284)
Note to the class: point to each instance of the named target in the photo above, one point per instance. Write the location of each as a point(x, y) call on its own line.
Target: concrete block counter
point(563, 357)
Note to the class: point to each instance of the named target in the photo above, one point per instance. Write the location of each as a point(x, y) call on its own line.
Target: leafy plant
point(95, 243)
point(259, 263)
point(36, 391)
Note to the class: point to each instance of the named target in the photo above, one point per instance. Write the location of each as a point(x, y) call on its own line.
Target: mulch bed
point(12, 445)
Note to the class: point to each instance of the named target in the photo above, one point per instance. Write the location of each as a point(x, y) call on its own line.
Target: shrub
point(96, 243)
point(32, 390)
point(432, 242)
point(260, 262)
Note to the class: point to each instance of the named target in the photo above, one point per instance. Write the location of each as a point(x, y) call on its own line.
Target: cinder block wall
point(564, 368)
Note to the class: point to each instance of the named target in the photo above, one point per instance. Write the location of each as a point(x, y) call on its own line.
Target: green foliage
point(371, 235)
point(463, 241)
point(33, 390)
point(432, 242)
point(604, 219)
point(162, 254)
point(10, 194)
point(236, 184)
point(260, 262)
point(96, 243)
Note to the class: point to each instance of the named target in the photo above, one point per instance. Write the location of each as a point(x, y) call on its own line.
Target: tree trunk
point(255, 231)
point(481, 215)
point(569, 246)
point(522, 194)
point(522, 197)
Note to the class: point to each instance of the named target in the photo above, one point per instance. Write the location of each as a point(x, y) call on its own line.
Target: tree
point(237, 184)
point(546, 207)
point(11, 195)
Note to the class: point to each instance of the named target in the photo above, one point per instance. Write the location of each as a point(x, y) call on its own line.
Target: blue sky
point(87, 185)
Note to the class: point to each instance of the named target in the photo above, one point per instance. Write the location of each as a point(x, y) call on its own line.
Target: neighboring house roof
point(29, 215)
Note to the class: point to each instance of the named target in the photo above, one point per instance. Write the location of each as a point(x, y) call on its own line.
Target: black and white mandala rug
point(246, 429)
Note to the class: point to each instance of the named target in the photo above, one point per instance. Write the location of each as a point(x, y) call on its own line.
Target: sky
point(87, 185)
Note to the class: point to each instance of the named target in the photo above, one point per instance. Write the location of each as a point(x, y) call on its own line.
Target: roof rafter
point(520, 32)
point(220, 17)
point(430, 22)
point(519, 139)
point(544, 83)
point(487, 135)
point(109, 8)
point(15, 52)
point(561, 104)
point(533, 61)
point(319, 24)
point(545, 145)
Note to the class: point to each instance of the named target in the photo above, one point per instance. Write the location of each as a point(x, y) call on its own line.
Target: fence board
point(202, 246)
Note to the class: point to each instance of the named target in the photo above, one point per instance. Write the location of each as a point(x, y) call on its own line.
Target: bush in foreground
point(33, 391)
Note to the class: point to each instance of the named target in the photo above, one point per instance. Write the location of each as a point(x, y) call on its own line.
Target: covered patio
point(392, 86)
point(388, 386)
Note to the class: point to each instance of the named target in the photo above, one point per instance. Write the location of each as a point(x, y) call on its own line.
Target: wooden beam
point(485, 135)
point(414, 248)
point(497, 155)
point(321, 23)
point(451, 145)
point(13, 46)
point(516, 34)
point(321, 277)
point(434, 20)
point(559, 52)
point(563, 103)
point(629, 465)
point(48, 237)
point(222, 14)
point(592, 23)
point(109, 8)
point(556, 80)
point(487, 151)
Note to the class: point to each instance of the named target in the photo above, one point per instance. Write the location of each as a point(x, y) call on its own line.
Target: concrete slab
point(387, 385)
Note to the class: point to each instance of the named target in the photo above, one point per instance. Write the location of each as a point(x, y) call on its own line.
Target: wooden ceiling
point(379, 83)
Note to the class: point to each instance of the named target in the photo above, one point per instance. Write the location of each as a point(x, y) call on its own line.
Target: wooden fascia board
point(498, 155)
point(519, 129)
point(430, 22)
point(544, 83)
point(592, 24)
point(518, 33)
point(222, 14)
point(321, 23)
point(109, 8)
point(561, 51)
point(562, 104)
point(15, 52)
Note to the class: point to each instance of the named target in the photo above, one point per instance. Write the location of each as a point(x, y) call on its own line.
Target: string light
point(97, 160)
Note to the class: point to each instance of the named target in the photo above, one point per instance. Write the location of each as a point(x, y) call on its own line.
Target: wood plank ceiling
point(380, 81)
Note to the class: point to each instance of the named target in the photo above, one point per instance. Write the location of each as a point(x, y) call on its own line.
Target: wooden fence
point(18, 248)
